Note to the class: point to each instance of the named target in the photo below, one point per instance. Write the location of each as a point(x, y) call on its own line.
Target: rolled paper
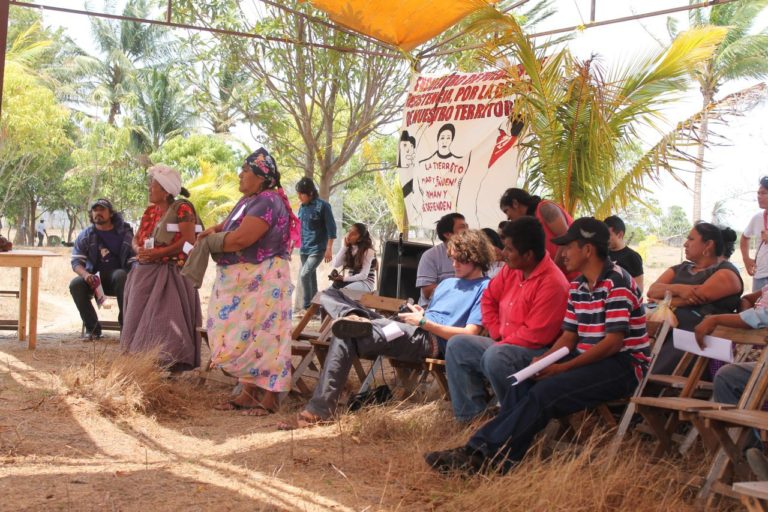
point(534, 368)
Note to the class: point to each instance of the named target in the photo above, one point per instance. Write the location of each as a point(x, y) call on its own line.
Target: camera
point(333, 275)
point(406, 307)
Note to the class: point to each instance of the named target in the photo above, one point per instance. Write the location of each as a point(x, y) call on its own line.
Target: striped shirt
point(614, 305)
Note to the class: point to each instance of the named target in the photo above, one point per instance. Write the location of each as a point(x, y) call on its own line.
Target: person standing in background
point(757, 267)
point(318, 231)
point(621, 254)
point(41, 232)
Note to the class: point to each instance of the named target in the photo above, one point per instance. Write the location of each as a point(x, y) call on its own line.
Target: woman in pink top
point(516, 203)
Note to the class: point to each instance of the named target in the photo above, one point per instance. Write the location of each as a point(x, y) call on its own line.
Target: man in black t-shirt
point(620, 253)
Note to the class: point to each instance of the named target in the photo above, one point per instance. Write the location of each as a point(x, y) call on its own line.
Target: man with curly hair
point(454, 309)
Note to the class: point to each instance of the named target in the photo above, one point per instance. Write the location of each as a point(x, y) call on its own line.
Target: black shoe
point(458, 460)
point(92, 335)
point(352, 326)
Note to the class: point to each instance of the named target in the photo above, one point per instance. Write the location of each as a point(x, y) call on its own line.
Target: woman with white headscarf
point(162, 308)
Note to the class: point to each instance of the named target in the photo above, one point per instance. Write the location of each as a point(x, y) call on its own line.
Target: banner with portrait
point(458, 149)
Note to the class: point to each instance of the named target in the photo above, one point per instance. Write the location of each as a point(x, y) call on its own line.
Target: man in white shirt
point(757, 228)
point(41, 232)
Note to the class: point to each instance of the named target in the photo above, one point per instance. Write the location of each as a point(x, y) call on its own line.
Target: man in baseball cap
point(606, 347)
point(103, 248)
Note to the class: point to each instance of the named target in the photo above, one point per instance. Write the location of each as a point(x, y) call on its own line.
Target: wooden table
point(27, 259)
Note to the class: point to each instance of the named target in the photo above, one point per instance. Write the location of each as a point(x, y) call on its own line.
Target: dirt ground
point(60, 451)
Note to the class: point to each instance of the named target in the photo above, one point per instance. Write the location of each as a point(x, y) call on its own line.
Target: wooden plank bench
point(753, 495)
point(11, 324)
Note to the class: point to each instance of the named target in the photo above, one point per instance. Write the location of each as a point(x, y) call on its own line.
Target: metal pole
point(4, 6)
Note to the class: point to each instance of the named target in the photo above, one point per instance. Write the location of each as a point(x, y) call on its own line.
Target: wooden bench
point(663, 414)
point(10, 324)
point(732, 430)
point(753, 495)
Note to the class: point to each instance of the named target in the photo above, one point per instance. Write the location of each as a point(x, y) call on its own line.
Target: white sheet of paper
point(174, 228)
point(187, 247)
point(534, 368)
point(392, 331)
point(714, 348)
point(239, 212)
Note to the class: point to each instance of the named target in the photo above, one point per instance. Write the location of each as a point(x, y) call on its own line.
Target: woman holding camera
point(357, 259)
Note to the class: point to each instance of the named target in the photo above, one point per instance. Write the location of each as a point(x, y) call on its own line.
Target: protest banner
point(458, 147)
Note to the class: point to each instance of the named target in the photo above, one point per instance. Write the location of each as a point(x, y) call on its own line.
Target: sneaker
point(457, 460)
point(352, 326)
point(758, 463)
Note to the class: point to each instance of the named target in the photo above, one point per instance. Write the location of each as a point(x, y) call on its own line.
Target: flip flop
point(258, 410)
point(303, 421)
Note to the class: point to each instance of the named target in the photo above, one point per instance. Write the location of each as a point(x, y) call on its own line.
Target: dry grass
point(126, 385)
point(581, 477)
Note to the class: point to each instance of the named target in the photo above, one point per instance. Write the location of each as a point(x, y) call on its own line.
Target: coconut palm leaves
point(213, 195)
point(741, 54)
point(582, 121)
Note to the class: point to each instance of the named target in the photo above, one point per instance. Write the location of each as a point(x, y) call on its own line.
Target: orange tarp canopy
point(402, 23)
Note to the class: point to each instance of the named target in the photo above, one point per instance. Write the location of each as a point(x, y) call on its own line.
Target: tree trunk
point(21, 229)
point(325, 184)
point(698, 173)
point(32, 218)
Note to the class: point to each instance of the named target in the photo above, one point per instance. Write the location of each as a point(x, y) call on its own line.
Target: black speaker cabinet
point(388, 269)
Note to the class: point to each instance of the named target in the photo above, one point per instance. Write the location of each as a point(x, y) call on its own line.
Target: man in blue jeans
point(420, 333)
point(318, 231)
point(604, 330)
point(523, 309)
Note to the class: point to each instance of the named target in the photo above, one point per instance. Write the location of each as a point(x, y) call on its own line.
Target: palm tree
point(161, 109)
point(582, 121)
point(125, 46)
point(741, 55)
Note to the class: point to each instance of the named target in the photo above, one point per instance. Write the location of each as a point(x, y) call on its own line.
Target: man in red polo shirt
point(523, 309)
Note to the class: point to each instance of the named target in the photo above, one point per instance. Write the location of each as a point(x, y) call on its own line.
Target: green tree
point(124, 47)
point(34, 140)
point(674, 224)
point(106, 152)
point(186, 153)
point(324, 102)
point(222, 89)
point(581, 121)
point(162, 110)
point(742, 54)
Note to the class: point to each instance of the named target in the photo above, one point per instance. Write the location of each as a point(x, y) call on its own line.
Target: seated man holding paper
point(605, 346)
point(453, 309)
point(101, 257)
point(523, 309)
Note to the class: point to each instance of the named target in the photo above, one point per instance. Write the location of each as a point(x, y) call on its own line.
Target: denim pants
point(506, 438)
point(308, 276)
point(113, 283)
point(729, 385)
point(410, 347)
point(470, 361)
